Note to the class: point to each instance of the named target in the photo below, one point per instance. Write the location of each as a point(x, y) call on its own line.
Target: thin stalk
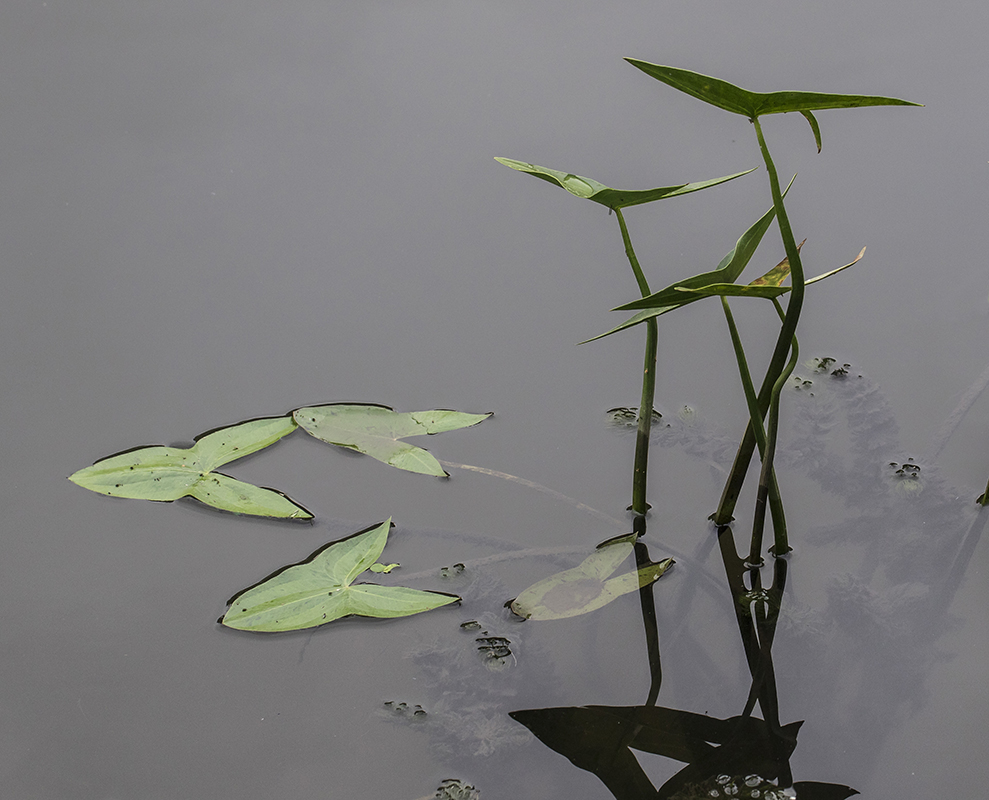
point(755, 415)
point(639, 504)
point(756, 425)
point(766, 478)
point(776, 365)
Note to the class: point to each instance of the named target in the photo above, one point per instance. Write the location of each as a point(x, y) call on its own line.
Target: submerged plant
point(588, 586)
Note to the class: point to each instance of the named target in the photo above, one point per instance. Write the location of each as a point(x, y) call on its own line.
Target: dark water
point(217, 212)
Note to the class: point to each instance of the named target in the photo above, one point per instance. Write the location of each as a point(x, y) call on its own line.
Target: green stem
point(766, 478)
point(777, 363)
point(755, 414)
point(756, 425)
point(640, 278)
point(639, 504)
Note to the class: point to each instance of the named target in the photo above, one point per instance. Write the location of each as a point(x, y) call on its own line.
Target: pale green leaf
point(611, 198)
point(168, 473)
point(322, 589)
point(229, 494)
point(587, 587)
point(754, 104)
point(377, 431)
point(386, 568)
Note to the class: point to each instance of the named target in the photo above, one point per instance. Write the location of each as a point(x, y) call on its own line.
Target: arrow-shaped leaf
point(754, 104)
point(673, 296)
point(769, 284)
point(727, 271)
point(322, 589)
point(168, 473)
point(612, 198)
point(377, 431)
point(587, 587)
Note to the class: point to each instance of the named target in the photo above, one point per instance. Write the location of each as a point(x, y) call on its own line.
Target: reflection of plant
point(904, 541)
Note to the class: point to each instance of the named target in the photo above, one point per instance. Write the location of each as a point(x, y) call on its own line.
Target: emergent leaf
point(377, 430)
point(755, 104)
point(728, 269)
point(168, 473)
point(769, 284)
point(587, 587)
point(322, 589)
point(612, 198)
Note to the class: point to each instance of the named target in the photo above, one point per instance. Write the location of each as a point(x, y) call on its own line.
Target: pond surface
point(216, 212)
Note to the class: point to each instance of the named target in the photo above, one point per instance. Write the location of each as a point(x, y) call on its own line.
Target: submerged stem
point(639, 504)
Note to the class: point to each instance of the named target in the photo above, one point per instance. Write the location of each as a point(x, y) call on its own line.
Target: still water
point(217, 212)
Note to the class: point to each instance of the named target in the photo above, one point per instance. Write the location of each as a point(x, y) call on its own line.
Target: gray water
point(213, 212)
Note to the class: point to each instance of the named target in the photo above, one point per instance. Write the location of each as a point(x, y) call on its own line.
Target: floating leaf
point(755, 104)
point(377, 430)
point(321, 589)
point(168, 473)
point(587, 587)
point(386, 568)
point(612, 198)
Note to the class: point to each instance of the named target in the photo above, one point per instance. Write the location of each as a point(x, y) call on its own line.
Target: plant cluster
point(325, 586)
point(763, 406)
